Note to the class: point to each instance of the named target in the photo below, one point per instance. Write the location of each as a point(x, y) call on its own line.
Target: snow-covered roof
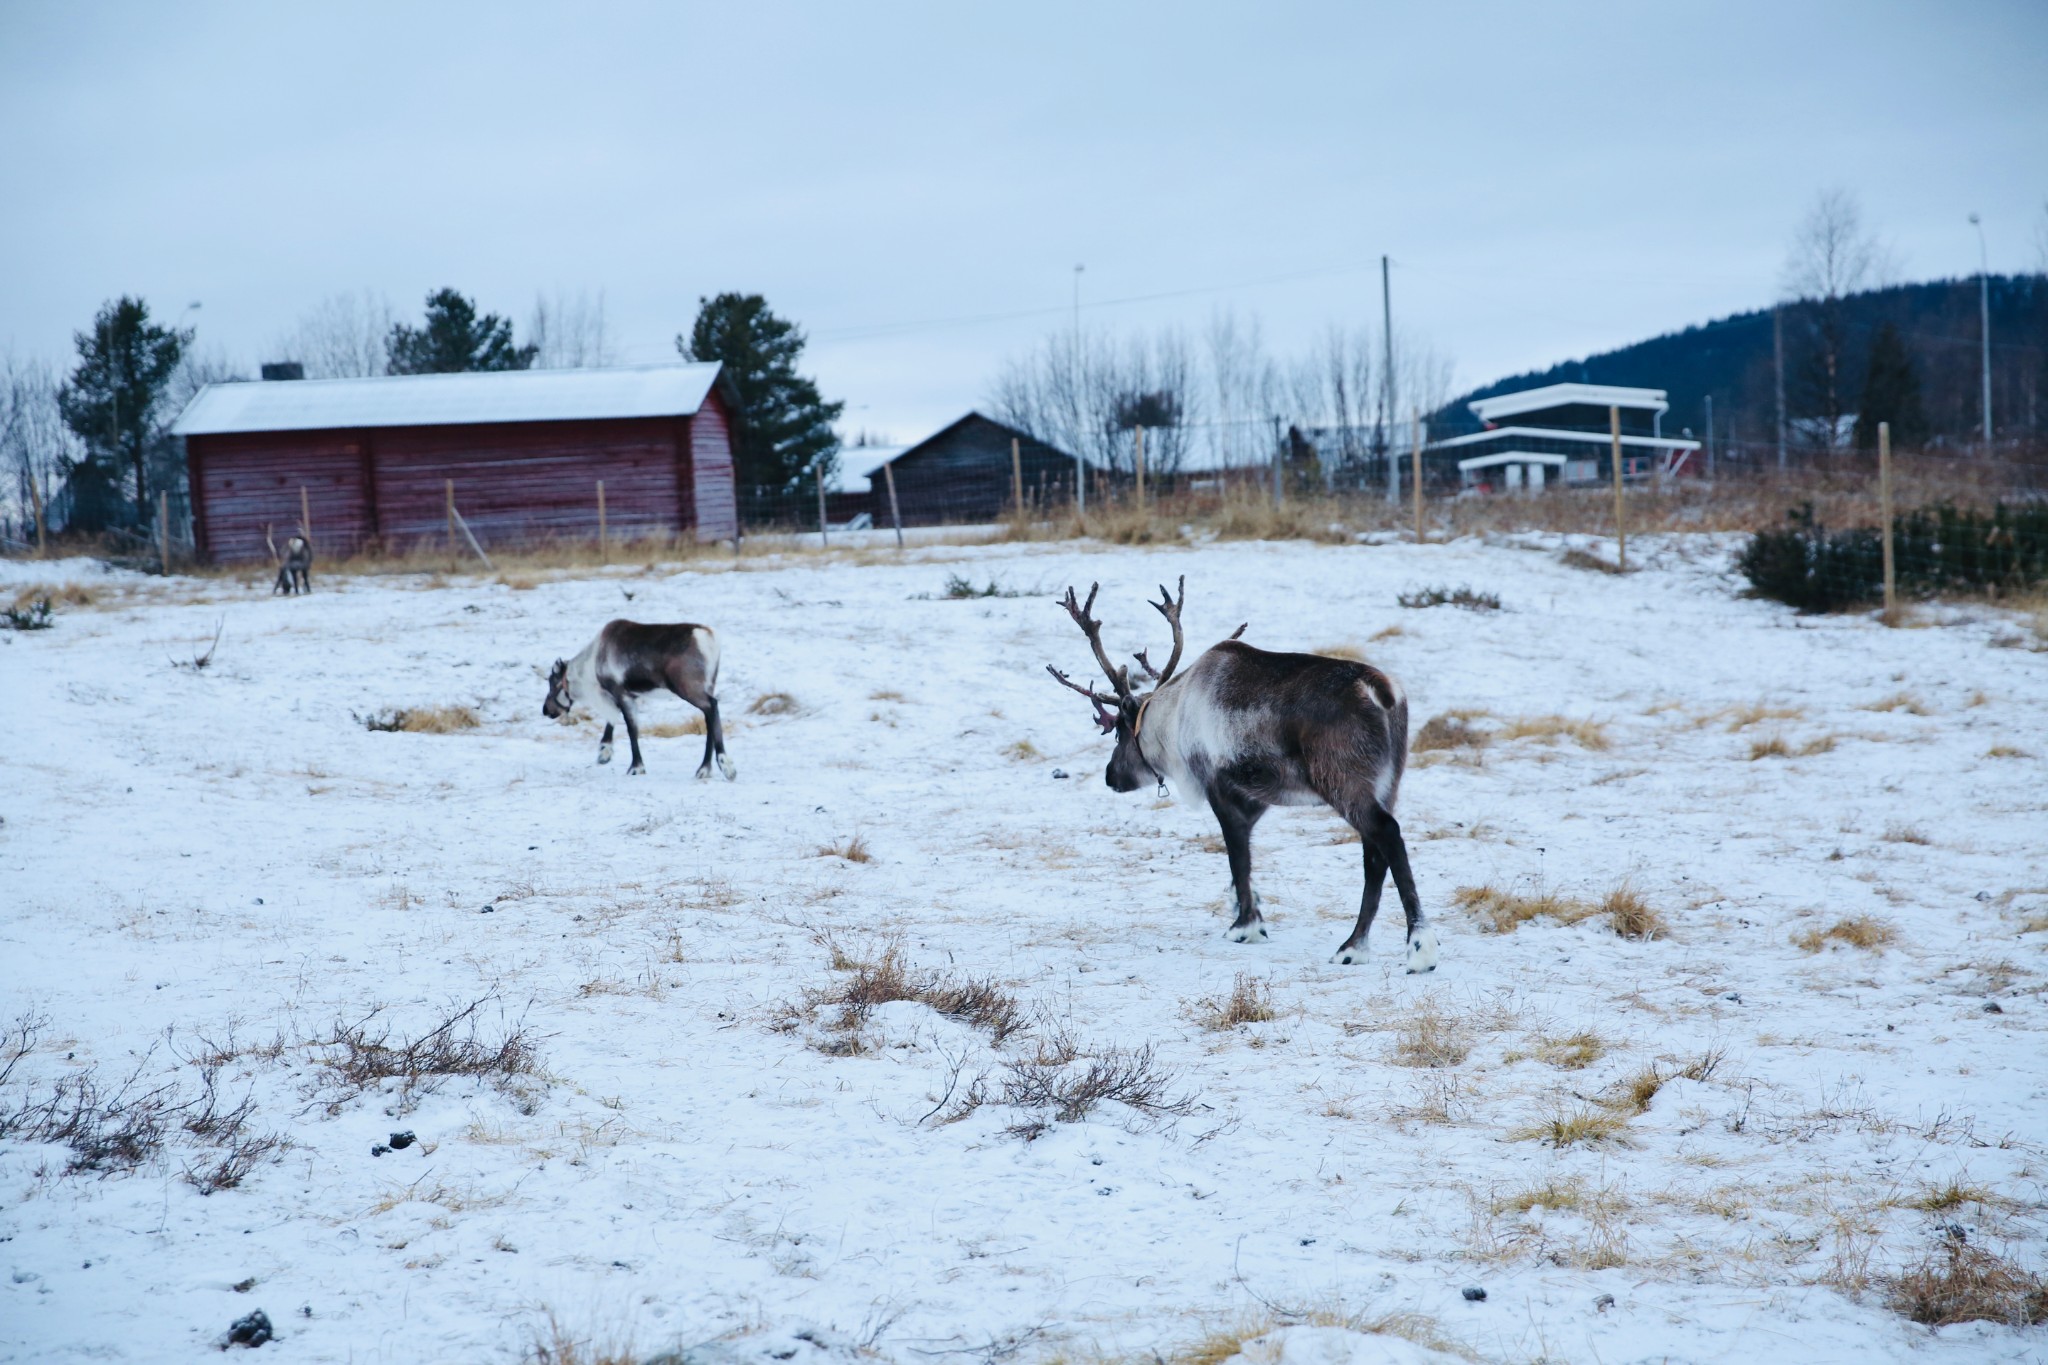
point(858, 464)
point(447, 399)
point(1594, 438)
point(1558, 395)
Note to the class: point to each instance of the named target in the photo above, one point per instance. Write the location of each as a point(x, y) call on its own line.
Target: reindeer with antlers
point(1251, 729)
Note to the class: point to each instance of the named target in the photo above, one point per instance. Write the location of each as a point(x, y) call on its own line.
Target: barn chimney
point(284, 369)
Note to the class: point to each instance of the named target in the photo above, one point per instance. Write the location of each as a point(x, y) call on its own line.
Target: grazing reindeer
point(627, 660)
point(294, 566)
point(1250, 729)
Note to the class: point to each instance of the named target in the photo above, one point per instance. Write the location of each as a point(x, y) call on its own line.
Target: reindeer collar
point(1137, 738)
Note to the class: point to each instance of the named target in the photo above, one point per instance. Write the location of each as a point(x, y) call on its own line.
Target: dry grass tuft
point(1898, 832)
point(1901, 701)
point(1953, 1195)
point(1740, 718)
point(1568, 1128)
point(674, 729)
point(1430, 1039)
point(1630, 916)
point(1350, 653)
point(1590, 734)
point(554, 1344)
point(1858, 931)
point(1452, 730)
point(1576, 558)
point(1023, 751)
point(1384, 633)
point(2006, 751)
point(423, 720)
point(1505, 911)
point(57, 594)
point(1250, 1002)
point(773, 704)
point(1958, 1282)
point(1824, 744)
point(1771, 746)
point(1573, 1052)
point(854, 850)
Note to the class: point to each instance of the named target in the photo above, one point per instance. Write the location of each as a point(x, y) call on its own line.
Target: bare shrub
point(112, 1132)
point(364, 1054)
point(1250, 1002)
point(976, 1001)
point(1070, 1089)
point(1958, 1282)
point(1462, 596)
point(1858, 931)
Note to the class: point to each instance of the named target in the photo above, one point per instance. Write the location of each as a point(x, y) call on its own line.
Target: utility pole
point(1984, 318)
point(1387, 371)
point(1080, 468)
point(1710, 436)
point(1778, 366)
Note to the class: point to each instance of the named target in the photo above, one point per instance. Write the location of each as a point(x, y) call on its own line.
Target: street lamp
point(1984, 318)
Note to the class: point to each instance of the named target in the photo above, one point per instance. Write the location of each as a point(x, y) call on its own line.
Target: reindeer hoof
point(1422, 949)
point(1255, 932)
point(637, 770)
point(604, 754)
point(704, 773)
point(725, 765)
point(1347, 956)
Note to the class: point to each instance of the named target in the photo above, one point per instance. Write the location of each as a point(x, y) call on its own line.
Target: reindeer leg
point(604, 745)
point(714, 740)
point(1352, 950)
point(1237, 814)
point(618, 697)
point(1385, 831)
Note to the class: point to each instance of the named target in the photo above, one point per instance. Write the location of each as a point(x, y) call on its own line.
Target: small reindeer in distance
point(294, 566)
point(627, 660)
point(1251, 729)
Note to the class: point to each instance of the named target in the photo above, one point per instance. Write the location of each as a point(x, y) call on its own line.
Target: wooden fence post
point(305, 516)
point(450, 490)
point(35, 497)
point(603, 544)
point(1418, 476)
point(163, 531)
point(1620, 531)
point(1884, 502)
point(1017, 476)
point(1139, 458)
point(824, 535)
point(895, 516)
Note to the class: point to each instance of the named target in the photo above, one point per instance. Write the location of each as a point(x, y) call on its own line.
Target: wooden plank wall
point(522, 482)
point(245, 483)
point(515, 483)
point(716, 509)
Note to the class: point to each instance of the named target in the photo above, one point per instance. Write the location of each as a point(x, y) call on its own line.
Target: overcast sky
point(915, 184)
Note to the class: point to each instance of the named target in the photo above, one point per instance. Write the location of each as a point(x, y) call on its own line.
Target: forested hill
point(1730, 358)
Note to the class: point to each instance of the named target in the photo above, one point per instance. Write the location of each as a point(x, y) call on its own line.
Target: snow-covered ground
point(192, 856)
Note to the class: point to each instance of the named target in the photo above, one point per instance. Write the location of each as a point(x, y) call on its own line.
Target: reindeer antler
point(1169, 607)
point(1119, 678)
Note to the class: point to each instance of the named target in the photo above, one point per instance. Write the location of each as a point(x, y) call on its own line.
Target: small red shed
point(525, 450)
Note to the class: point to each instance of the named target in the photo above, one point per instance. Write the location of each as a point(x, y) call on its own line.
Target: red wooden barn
point(525, 450)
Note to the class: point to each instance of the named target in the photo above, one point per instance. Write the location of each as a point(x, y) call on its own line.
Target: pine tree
point(1891, 393)
point(784, 435)
point(111, 402)
point(455, 340)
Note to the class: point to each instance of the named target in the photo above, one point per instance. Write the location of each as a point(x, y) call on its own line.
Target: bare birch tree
point(1833, 255)
point(572, 333)
point(34, 441)
point(344, 336)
